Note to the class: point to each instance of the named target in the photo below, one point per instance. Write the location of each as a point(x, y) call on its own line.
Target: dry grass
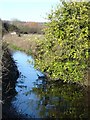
point(25, 42)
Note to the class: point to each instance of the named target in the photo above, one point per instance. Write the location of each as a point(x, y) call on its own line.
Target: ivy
point(64, 52)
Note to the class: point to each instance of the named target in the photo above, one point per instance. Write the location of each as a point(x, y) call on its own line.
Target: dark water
point(37, 98)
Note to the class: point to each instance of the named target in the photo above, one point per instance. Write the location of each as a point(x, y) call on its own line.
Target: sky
point(26, 10)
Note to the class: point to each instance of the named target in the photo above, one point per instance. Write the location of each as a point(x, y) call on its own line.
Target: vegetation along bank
point(10, 74)
point(63, 52)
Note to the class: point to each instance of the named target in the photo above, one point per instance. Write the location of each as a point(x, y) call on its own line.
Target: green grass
point(15, 47)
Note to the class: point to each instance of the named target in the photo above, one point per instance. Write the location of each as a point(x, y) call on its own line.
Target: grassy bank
point(27, 42)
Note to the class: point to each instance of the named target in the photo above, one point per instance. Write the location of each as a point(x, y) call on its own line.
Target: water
point(37, 98)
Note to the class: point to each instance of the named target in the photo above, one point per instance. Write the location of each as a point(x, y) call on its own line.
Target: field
point(25, 42)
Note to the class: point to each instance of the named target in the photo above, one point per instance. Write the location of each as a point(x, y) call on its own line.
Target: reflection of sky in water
point(26, 102)
point(37, 99)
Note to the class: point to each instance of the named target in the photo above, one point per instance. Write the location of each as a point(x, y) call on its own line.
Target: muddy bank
point(10, 74)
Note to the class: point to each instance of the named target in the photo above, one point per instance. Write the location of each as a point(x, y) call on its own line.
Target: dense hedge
point(20, 27)
point(64, 52)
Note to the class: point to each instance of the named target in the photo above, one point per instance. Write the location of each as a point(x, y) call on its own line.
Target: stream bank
point(37, 98)
point(10, 74)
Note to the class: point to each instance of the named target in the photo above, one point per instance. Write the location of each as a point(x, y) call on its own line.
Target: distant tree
point(7, 27)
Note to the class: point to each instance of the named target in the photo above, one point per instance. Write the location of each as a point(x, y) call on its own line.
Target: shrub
point(64, 52)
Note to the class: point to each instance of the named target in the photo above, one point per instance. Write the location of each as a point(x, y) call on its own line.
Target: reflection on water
point(61, 100)
point(37, 98)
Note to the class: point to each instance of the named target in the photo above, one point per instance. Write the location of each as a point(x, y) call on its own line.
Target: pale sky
point(26, 10)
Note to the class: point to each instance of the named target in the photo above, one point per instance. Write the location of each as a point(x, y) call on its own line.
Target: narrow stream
point(26, 101)
point(36, 98)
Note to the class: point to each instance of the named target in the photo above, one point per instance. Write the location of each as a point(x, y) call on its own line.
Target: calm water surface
point(36, 98)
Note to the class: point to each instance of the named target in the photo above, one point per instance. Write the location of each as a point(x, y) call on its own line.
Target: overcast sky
point(26, 10)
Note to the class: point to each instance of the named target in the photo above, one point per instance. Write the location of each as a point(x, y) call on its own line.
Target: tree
point(7, 27)
point(64, 53)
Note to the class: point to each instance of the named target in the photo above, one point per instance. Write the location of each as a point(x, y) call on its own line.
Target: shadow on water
point(59, 100)
point(8, 76)
point(36, 98)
